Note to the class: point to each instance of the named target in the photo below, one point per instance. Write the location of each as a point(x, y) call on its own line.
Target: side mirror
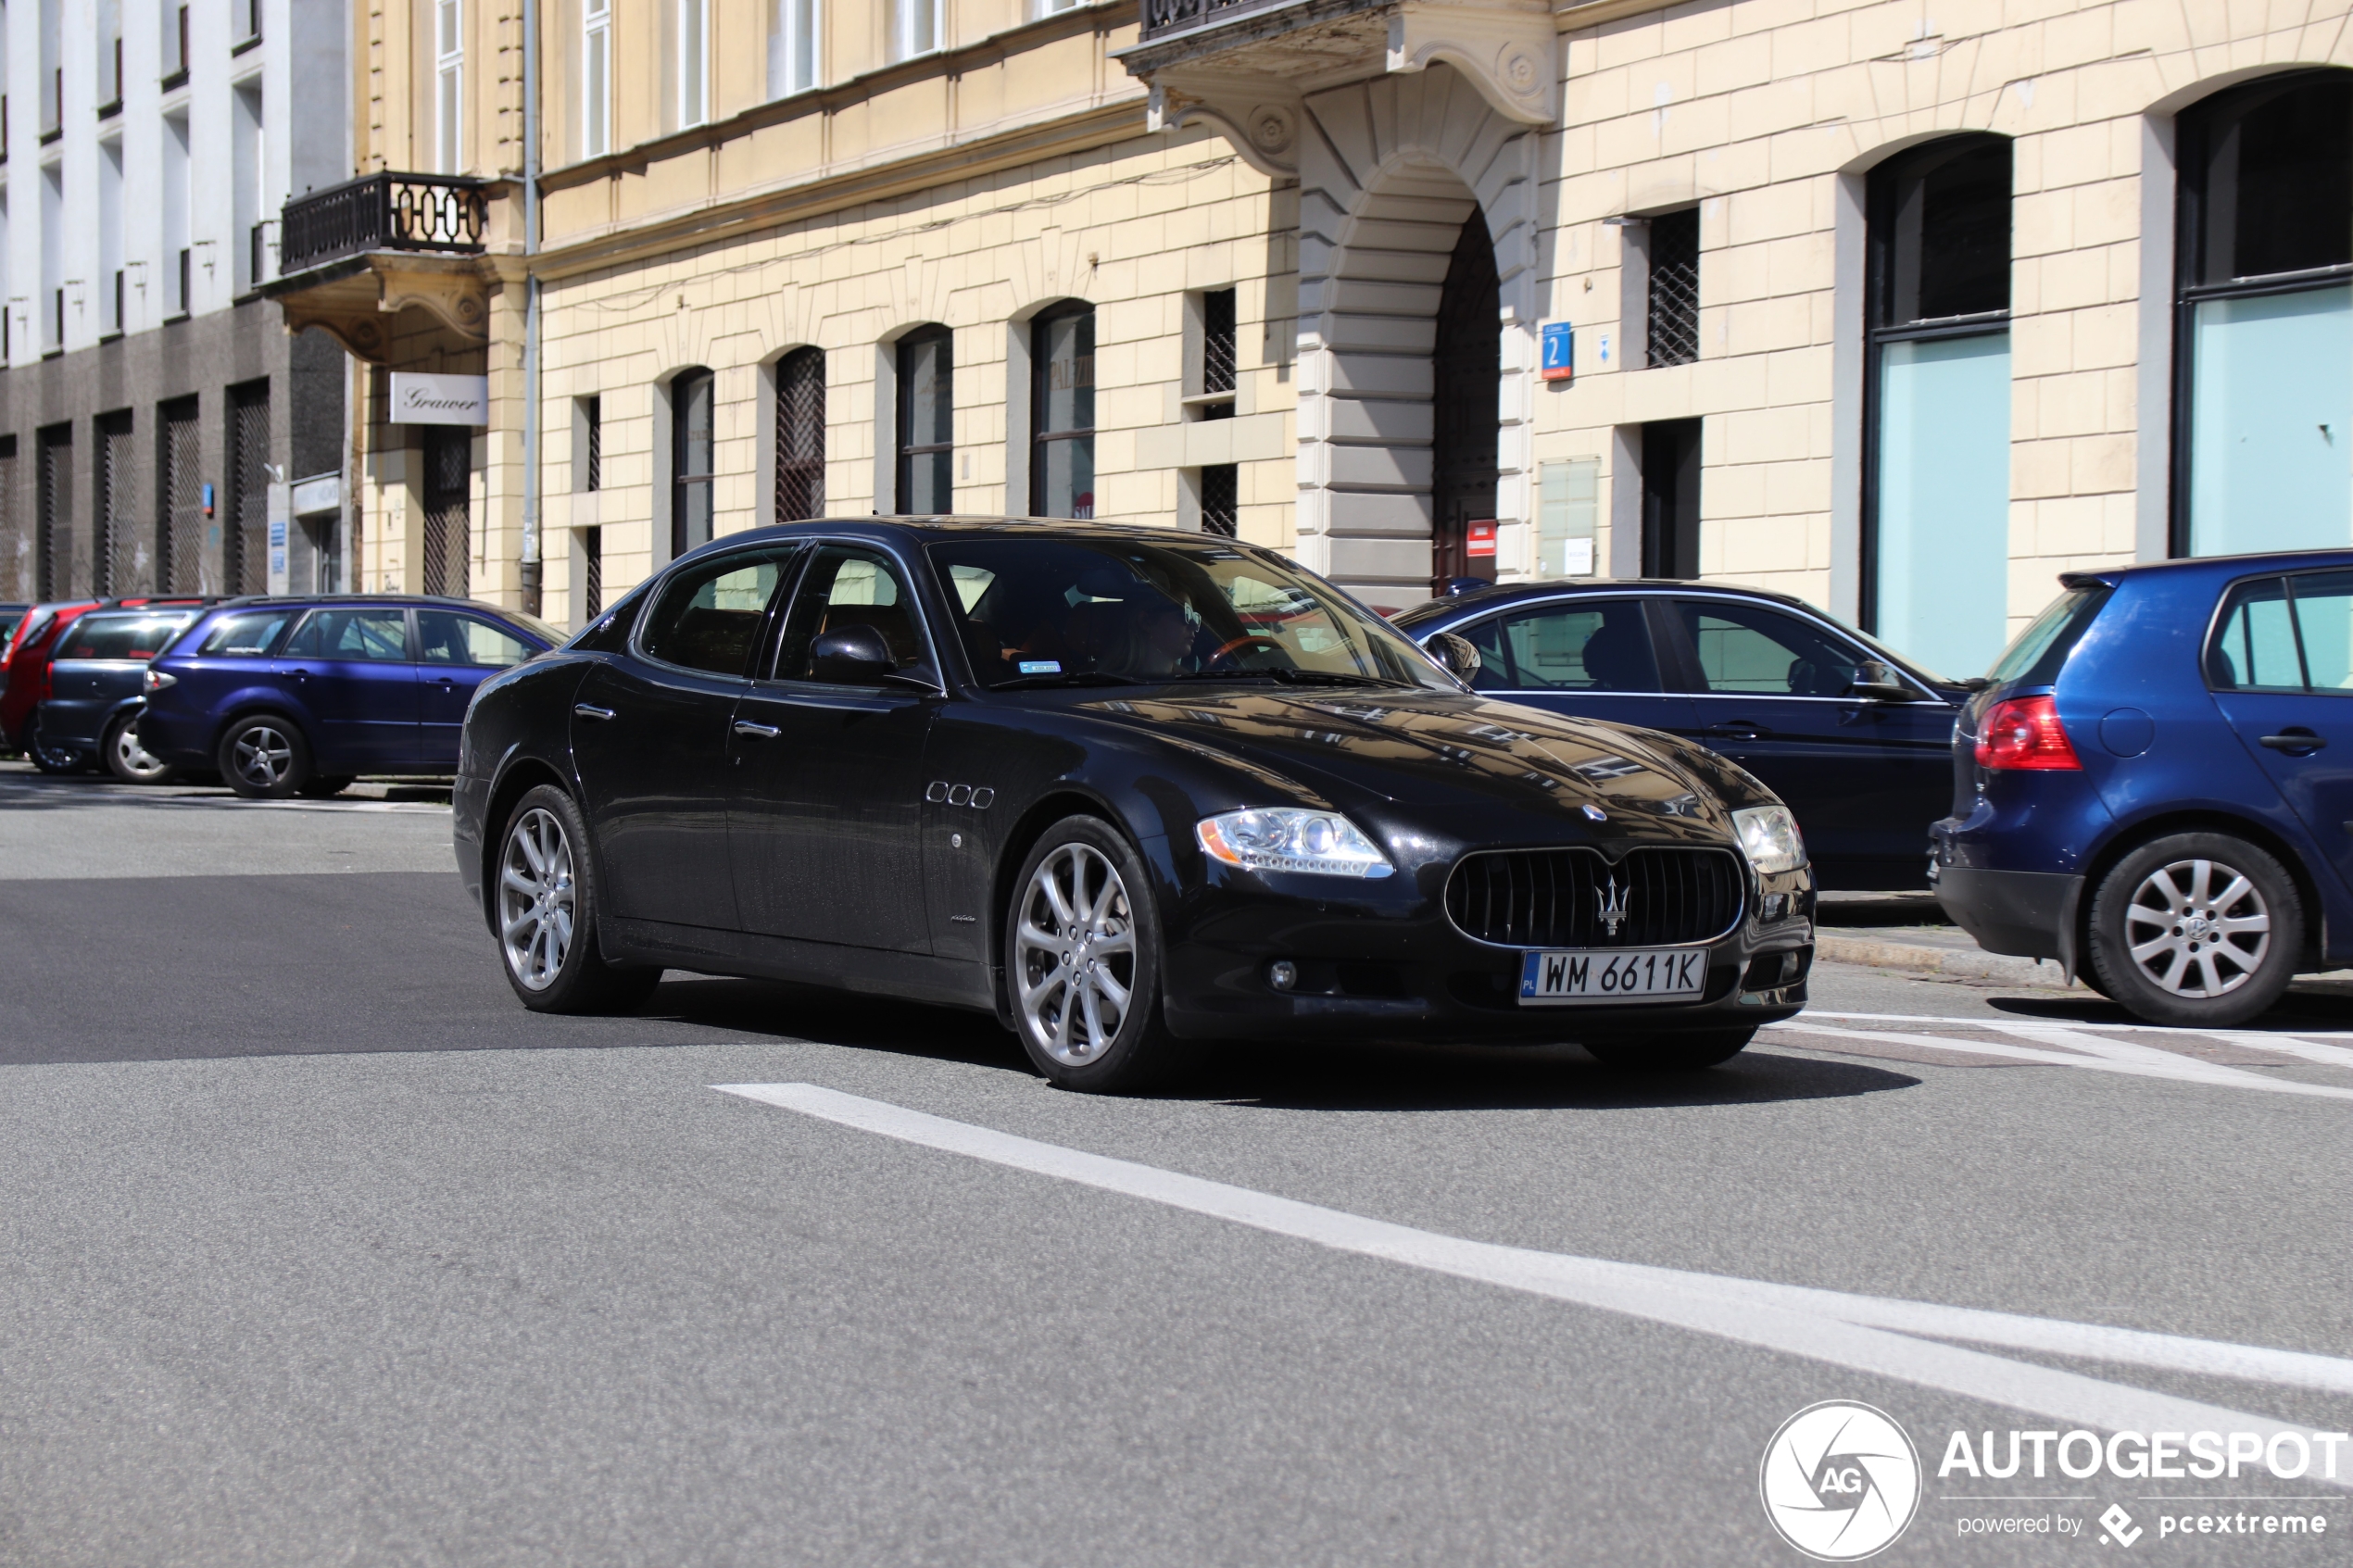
point(1880, 682)
point(854, 656)
point(1457, 656)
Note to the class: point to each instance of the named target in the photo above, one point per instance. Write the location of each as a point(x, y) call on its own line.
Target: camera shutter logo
point(1841, 1481)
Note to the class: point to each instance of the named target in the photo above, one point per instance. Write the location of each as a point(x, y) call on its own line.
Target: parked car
point(1856, 737)
point(1128, 789)
point(10, 615)
point(300, 695)
point(96, 678)
point(2155, 789)
point(24, 666)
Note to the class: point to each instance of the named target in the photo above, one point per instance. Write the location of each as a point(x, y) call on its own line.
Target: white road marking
point(1875, 1334)
point(2085, 1046)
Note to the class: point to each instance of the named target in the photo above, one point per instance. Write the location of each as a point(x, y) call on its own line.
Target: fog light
point(1282, 974)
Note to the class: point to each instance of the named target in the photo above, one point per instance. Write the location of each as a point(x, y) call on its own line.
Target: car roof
point(2205, 567)
point(388, 601)
point(1503, 593)
point(920, 529)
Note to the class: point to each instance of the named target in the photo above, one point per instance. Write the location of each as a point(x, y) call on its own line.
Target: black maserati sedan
point(1130, 790)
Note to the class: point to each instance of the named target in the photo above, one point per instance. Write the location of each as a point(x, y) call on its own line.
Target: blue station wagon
point(300, 695)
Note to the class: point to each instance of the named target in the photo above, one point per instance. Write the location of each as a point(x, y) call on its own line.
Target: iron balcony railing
point(1164, 17)
point(443, 212)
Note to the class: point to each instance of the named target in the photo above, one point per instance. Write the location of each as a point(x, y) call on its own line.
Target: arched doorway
point(1466, 363)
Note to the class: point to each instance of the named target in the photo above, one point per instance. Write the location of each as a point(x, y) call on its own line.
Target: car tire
point(326, 788)
point(264, 756)
point(2198, 930)
point(55, 761)
point(1668, 1053)
point(130, 761)
point(1082, 935)
point(544, 912)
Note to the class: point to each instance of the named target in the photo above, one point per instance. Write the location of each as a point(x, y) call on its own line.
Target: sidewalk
point(1907, 931)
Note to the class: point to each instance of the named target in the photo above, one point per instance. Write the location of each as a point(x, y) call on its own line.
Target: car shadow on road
point(2309, 1005)
point(1404, 1077)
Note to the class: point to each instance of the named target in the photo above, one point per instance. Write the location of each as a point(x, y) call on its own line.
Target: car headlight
point(1289, 839)
point(1769, 838)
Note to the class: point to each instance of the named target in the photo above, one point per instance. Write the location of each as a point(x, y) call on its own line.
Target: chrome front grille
point(1664, 898)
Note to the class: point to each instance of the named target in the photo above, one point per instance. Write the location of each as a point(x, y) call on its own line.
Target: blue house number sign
point(1560, 351)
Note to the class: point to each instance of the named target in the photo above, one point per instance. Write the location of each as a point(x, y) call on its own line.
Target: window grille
point(121, 555)
point(592, 466)
point(53, 546)
point(800, 435)
point(180, 512)
point(592, 574)
point(16, 550)
point(1217, 347)
point(1674, 303)
point(246, 540)
point(449, 487)
point(1221, 500)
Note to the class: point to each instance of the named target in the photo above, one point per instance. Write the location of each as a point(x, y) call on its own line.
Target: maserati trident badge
point(1612, 899)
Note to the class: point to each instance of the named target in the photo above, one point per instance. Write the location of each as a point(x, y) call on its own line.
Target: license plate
point(1657, 975)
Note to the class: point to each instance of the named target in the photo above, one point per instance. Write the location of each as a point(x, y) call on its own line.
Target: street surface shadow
point(2309, 1005)
point(1405, 1077)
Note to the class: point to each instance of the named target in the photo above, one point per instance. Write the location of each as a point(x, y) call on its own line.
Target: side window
point(1744, 649)
point(2286, 634)
point(1591, 646)
point(447, 638)
point(846, 586)
point(372, 635)
point(246, 635)
point(707, 615)
point(2254, 645)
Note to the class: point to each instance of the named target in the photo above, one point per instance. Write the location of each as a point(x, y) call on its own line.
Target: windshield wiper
point(1075, 678)
point(1290, 677)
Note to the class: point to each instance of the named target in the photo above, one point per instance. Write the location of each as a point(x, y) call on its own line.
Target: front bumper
point(1377, 962)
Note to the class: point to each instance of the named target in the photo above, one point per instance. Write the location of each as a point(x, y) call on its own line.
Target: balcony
point(1248, 65)
point(427, 212)
point(354, 254)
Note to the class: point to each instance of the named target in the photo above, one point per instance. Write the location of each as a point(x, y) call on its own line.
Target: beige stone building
point(1902, 307)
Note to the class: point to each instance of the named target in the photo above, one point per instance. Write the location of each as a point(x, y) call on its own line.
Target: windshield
point(2035, 654)
point(1107, 611)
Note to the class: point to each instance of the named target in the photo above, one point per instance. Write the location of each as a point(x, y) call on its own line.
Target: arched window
point(692, 455)
point(1936, 535)
point(800, 435)
point(1062, 412)
point(926, 423)
point(2263, 358)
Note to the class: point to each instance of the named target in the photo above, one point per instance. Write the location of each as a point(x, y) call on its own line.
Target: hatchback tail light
point(2025, 732)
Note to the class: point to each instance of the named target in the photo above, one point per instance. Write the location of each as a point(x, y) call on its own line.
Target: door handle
point(589, 710)
point(2296, 741)
point(1736, 729)
point(757, 732)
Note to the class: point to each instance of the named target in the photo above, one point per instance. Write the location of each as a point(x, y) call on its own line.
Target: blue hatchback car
point(300, 695)
point(2156, 786)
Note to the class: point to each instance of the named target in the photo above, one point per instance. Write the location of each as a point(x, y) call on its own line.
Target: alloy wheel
point(2197, 928)
point(1075, 950)
point(535, 899)
point(262, 756)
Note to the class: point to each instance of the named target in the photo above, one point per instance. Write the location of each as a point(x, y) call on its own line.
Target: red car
point(24, 664)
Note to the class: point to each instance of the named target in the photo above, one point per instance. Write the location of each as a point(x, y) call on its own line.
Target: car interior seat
point(1617, 657)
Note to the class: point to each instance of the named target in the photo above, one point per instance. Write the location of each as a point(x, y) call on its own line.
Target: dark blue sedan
point(1852, 737)
point(2155, 789)
point(300, 695)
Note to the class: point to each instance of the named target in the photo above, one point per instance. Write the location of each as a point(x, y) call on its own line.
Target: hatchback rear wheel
point(265, 758)
point(130, 761)
point(2197, 929)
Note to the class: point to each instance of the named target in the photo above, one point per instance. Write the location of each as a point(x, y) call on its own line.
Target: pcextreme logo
point(1841, 1481)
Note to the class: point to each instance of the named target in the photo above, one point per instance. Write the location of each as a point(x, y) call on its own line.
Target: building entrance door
point(1467, 365)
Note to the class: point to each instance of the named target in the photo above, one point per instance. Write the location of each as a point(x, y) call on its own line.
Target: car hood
point(1452, 755)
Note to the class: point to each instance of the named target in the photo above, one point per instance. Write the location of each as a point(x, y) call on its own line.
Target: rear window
point(245, 634)
point(121, 636)
point(2035, 655)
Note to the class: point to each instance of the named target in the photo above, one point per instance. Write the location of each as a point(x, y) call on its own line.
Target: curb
point(1950, 963)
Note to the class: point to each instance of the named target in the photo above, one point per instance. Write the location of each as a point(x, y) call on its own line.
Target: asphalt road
point(315, 1247)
